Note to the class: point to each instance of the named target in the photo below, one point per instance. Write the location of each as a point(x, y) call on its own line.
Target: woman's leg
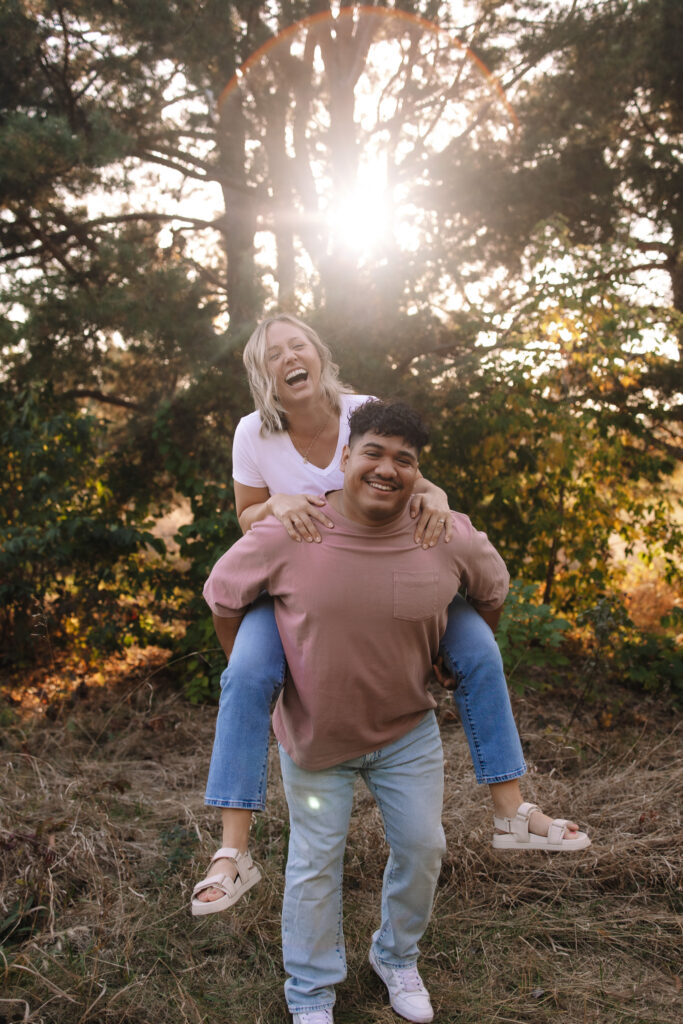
point(238, 773)
point(471, 654)
point(481, 695)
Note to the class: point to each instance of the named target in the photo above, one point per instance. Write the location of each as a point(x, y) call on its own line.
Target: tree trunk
point(675, 268)
point(239, 223)
point(554, 549)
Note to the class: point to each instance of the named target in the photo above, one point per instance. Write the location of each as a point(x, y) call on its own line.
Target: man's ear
point(346, 451)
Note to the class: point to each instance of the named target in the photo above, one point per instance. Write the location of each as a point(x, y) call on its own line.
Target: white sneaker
point(313, 1017)
point(407, 994)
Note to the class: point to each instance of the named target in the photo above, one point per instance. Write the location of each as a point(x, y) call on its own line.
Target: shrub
point(619, 652)
point(530, 634)
point(71, 558)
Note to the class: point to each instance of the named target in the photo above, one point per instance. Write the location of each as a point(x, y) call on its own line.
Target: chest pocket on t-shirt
point(415, 595)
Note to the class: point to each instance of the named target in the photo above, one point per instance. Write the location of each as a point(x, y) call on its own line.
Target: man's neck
point(336, 500)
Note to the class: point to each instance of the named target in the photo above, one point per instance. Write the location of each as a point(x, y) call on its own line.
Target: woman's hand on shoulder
point(433, 515)
point(299, 513)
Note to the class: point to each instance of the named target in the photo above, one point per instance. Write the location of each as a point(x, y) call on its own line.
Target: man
point(360, 618)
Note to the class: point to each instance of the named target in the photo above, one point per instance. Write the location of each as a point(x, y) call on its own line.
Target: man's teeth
point(380, 487)
point(295, 375)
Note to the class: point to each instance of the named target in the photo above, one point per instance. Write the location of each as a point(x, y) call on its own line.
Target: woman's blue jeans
point(406, 780)
point(238, 772)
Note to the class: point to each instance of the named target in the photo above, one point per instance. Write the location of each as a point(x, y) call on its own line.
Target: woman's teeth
point(295, 376)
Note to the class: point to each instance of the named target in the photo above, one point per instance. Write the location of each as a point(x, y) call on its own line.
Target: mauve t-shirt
point(361, 616)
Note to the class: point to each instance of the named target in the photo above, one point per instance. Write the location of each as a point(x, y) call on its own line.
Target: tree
point(69, 554)
point(477, 120)
point(557, 422)
point(601, 139)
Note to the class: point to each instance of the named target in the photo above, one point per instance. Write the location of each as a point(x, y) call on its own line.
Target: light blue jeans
point(406, 780)
point(256, 671)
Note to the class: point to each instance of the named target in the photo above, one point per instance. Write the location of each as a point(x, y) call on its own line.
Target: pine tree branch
point(174, 165)
point(661, 247)
point(195, 222)
point(48, 242)
point(100, 396)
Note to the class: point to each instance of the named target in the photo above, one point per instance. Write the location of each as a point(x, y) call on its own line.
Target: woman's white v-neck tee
point(273, 461)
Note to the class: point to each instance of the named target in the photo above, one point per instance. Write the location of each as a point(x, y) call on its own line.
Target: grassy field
point(103, 833)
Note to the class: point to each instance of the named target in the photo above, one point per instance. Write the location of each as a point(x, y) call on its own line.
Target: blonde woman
point(286, 454)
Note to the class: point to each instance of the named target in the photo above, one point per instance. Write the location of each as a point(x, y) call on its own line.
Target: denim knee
point(256, 676)
point(256, 669)
point(481, 695)
point(427, 847)
point(476, 653)
point(238, 771)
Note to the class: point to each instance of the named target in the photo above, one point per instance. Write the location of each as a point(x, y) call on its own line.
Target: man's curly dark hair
point(388, 419)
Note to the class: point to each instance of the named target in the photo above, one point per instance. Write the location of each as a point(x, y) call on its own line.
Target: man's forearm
point(226, 631)
point(491, 616)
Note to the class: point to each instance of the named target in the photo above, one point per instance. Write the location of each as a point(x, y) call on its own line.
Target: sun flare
point(347, 163)
point(359, 222)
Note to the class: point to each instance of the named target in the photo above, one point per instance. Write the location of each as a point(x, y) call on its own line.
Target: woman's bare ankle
point(236, 824)
point(507, 797)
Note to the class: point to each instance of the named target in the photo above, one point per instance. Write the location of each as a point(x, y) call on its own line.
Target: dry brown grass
point(103, 832)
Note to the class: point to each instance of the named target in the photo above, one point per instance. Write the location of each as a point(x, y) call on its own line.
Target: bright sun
point(350, 163)
point(360, 221)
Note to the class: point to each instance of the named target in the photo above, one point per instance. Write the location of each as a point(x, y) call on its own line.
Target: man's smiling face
point(379, 476)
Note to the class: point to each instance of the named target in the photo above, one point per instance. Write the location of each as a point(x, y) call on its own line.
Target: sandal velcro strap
point(526, 810)
point(214, 882)
point(556, 831)
point(519, 825)
point(226, 853)
point(243, 861)
point(247, 876)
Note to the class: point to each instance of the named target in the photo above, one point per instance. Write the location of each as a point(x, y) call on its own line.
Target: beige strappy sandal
point(518, 837)
point(233, 888)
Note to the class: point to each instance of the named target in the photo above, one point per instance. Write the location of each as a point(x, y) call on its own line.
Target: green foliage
point(22, 920)
point(213, 529)
point(179, 845)
point(530, 635)
point(555, 422)
point(609, 649)
point(652, 663)
point(69, 554)
point(550, 437)
point(619, 652)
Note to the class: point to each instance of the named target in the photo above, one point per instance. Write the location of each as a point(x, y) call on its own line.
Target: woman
point(285, 455)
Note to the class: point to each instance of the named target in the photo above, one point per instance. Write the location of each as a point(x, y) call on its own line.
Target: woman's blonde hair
point(262, 385)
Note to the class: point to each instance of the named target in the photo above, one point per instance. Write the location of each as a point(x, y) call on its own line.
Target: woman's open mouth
point(296, 377)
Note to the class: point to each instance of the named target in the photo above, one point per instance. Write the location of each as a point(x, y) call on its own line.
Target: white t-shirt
point(273, 461)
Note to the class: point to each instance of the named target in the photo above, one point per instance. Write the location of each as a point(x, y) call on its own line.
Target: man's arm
point(226, 631)
point(491, 616)
point(235, 581)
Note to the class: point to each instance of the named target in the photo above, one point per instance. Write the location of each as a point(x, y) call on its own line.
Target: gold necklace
point(304, 455)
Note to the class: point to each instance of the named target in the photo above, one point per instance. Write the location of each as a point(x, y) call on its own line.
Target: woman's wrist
point(253, 514)
point(423, 486)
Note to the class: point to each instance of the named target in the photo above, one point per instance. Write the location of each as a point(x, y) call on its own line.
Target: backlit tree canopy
point(477, 203)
